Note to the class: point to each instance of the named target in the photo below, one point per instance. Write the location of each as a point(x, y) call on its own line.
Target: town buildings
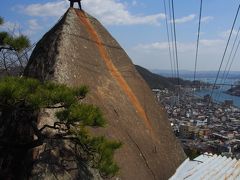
point(202, 125)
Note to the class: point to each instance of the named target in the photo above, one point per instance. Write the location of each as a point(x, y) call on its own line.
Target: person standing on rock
point(78, 1)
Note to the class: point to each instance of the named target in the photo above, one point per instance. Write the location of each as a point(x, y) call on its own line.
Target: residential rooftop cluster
point(201, 124)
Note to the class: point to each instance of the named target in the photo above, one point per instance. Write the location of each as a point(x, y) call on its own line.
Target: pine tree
point(20, 102)
point(13, 50)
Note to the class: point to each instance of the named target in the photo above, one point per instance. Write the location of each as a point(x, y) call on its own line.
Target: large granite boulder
point(78, 50)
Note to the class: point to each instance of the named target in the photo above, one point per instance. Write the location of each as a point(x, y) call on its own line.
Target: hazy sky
point(139, 26)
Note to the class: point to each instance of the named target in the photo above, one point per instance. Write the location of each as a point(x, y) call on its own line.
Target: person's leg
point(71, 4)
point(79, 4)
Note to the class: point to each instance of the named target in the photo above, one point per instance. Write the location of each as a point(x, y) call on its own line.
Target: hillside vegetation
point(156, 81)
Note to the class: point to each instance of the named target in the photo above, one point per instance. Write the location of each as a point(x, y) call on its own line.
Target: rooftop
point(208, 166)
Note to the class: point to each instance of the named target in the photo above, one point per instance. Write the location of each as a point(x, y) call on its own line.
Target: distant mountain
point(200, 74)
point(156, 81)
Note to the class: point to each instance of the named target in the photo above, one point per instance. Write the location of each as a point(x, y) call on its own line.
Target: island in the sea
point(234, 91)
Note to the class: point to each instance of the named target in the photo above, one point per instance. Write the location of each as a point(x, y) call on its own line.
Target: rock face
point(78, 50)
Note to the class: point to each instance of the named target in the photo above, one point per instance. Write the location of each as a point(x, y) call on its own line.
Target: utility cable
point(198, 37)
point(224, 76)
point(175, 42)
point(172, 43)
point(233, 58)
point(169, 46)
point(214, 85)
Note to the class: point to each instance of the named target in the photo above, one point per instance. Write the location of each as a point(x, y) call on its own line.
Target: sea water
point(219, 95)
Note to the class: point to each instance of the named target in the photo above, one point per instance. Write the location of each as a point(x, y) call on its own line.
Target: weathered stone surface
point(79, 50)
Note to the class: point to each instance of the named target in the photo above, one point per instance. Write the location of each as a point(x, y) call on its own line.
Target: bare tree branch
point(7, 48)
